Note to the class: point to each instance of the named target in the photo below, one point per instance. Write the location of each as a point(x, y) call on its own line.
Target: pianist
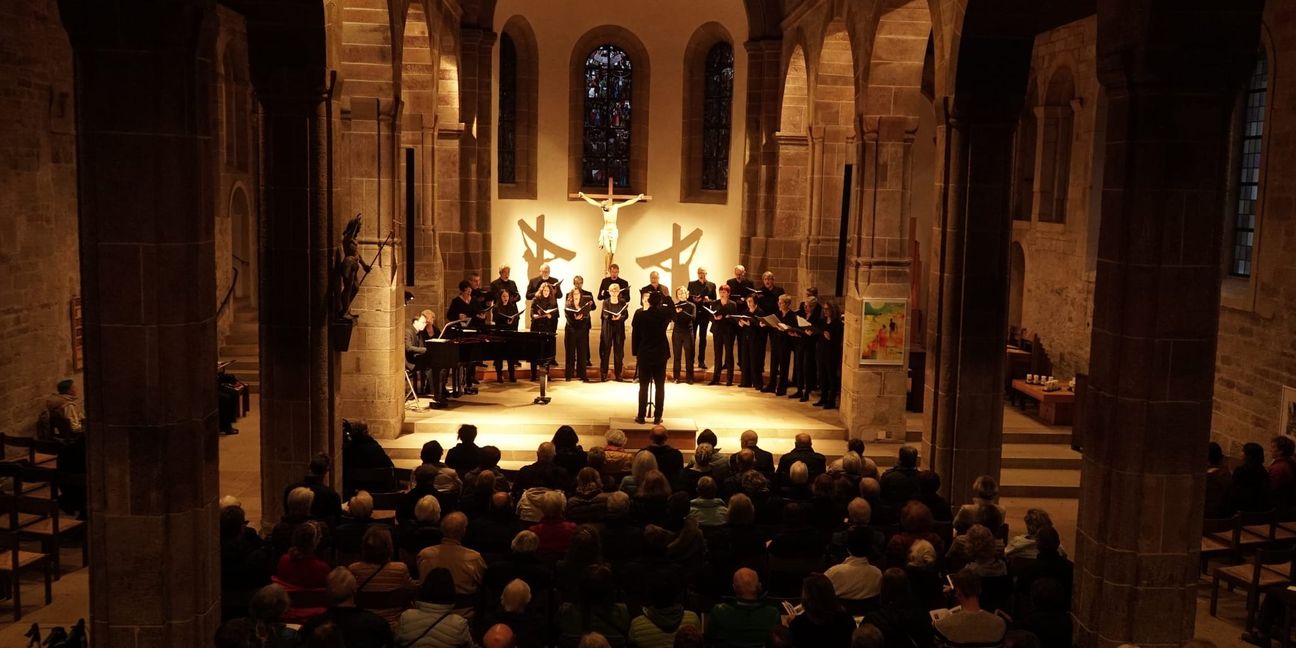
point(414, 342)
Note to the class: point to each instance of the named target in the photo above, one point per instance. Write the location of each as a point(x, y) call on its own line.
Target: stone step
point(243, 337)
point(240, 350)
point(1039, 456)
point(1039, 483)
point(1041, 436)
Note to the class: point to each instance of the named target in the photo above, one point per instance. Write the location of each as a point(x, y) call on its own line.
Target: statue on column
point(347, 264)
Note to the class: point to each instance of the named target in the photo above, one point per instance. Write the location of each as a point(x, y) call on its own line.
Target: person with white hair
point(618, 458)
point(764, 463)
point(356, 626)
point(466, 566)
point(523, 626)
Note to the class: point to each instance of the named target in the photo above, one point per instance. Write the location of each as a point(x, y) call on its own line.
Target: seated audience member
point(425, 530)
point(971, 625)
point(642, 462)
point(72, 460)
point(594, 610)
point(1249, 492)
point(858, 515)
point(740, 464)
point(377, 572)
point(423, 484)
point(764, 460)
point(466, 566)
point(239, 547)
point(854, 579)
point(985, 496)
point(63, 414)
point(703, 465)
point(362, 452)
point(650, 503)
point(521, 562)
point(915, 524)
point(622, 535)
point(846, 480)
point(589, 502)
point(499, 636)
point(491, 532)
point(708, 509)
point(593, 640)
point(1025, 546)
point(1050, 564)
point(742, 543)
point(264, 626)
point(618, 458)
point(432, 621)
point(804, 452)
point(358, 628)
point(327, 504)
point(901, 483)
point(301, 569)
point(568, 452)
point(1218, 480)
point(824, 511)
point(597, 459)
point(490, 458)
point(465, 455)
point(448, 489)
point(823, 623)
point(525, 626)
point(1047, 617)
point(797, 540)
point(929, 484)
point(584, 551)
point(689, 637)
point(794, 483)
point(719, 460)
point(477, 493)
point(902, 619)
point(868, 467)
point(430, 455)
point(867, 636)
point(353, 525)
point(662, 617)
point(669, 460)
point(745, 622)
point(544, 474)
point(1282, 472)
point(553, 531)
point(1027, 639)
point(296, 512)
point(977, 551)
point(923, 572)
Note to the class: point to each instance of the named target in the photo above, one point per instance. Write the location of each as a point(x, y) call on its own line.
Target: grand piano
point(460, 347)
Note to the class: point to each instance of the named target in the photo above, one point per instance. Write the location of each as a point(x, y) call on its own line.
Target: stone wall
point(38, 210)
point(1057, 299)
point(1256, 355)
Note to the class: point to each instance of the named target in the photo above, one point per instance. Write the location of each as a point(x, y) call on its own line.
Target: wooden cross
point(610, 212)
point(609, 195)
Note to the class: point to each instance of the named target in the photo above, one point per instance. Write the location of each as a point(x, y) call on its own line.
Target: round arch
point(641, 78)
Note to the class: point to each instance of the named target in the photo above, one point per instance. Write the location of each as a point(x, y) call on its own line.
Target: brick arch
point(699, 47)
point(518, 30)
point(414, 66)
point(639, 94)
point(898, 60)
point(833, 89)
point(447, 85)
point(794, 110)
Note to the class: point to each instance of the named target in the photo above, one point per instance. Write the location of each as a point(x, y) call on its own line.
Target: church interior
point(1055, 235)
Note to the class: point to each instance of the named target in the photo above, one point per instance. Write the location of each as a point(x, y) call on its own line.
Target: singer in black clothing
point(725, 328)
point(504, 283)
point(682, 334)
point(805, 372)
point(751, 337)
point(506, 318)
point(829, 349)
point(544, 318)
point(701, 293)
point(654, 284)
point(612, 335)
point(780, 346)
point(463, 313)
point(739, 287)
point(576, 311)
point(614, 277)
point(648, 343)
point(533, 286)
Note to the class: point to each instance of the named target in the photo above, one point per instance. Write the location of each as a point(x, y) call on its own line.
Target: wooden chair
point(368, 479)
point(1256, 527)
point(1271, 567)
point(385, 505)
point(13, 471)
point(51, 528)
point(1220, 539)
point(21, 561)
point(403, 476)
point(27, 448)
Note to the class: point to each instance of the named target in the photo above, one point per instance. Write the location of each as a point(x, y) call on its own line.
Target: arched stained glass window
point(716, 113)
point(607, 113)
point(1244, 223)
point(508, 95)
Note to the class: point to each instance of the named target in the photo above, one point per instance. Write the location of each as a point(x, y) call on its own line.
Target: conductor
point(649, 345)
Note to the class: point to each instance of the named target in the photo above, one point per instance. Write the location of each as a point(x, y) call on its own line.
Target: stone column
point(786, 241)
point(760, 170)
point(873, 396)
point(475, 98)
point(298, 366)
point(146, 178)
point(1147, 410)
point(968, 299)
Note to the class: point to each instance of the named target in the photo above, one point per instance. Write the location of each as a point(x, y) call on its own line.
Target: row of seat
point(30, 512)
point(1269, 537)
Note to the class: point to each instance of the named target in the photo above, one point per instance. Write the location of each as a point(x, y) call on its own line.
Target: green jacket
point(657, 627)
point(741, 624)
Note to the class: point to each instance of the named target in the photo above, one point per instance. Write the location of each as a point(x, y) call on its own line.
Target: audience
point(430, 455)
point(1249, 491)
point(358, 628)
point(499, 636)
point(589, 502)
point(670, 461)
point(569, 454)
point(554, 532)
point(465, 566)
point(466, 455)
point(594, 610)
point(432, 621)
point(425, 529)
point(618, 458)
point(823, 623)
point(867, 636)
point(868, 468)
point(745, 622)
point(929, 485)
point(1025, 546)
point(901, 483)
point(900, 617)
point(970, 625)
point(707, 509)
point(1282, 473)
point(915, 524)
point(764, 461)
point(719, 460)
point(377, 572)
point(855, 579)
point(263, 627)
point(327, 504)
point(1218, 481)
point(300, 569)
point(543, 474)
point(801, 452)
point(523, 627)
point(663, 616)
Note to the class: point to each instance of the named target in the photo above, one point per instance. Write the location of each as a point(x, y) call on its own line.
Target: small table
point(1055, 407)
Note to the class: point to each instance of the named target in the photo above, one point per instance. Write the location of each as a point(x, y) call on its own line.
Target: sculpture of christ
point(607, 239)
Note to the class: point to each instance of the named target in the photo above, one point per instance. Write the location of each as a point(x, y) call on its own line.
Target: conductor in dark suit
point(649, 345)
point(701, 293)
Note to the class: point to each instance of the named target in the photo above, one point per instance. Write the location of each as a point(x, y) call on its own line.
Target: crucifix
point(607, 239)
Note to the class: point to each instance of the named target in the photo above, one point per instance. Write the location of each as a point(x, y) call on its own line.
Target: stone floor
point(239, 474)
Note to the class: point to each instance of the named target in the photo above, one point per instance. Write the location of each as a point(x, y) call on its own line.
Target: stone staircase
point(242, 345)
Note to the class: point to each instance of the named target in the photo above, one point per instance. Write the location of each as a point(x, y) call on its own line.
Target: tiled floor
point(240, 476)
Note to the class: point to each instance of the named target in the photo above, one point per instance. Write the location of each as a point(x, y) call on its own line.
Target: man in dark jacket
point(465, 456)
point(764, 459)
point(902, 483)
point(670, 461)
point(701, 293)
point(803, 452)
point(649, 345)
point(362, 459)
point(745, 622)
point(327, 505)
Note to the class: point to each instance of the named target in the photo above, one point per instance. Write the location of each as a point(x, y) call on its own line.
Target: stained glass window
point(507, 147)
point(607, 118)
point(1249, 173)
point(715, 117)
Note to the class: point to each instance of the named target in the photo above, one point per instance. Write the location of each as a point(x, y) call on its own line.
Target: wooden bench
point(1055, 407)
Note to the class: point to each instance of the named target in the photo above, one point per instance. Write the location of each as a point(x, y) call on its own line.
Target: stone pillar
point(760, 169)
point(147, 174)
point(968, 299)
point(1147, 410)
point(450, 217)
point(298, 365)
point(785, 242)
point(475, 98)
point(873, 396)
